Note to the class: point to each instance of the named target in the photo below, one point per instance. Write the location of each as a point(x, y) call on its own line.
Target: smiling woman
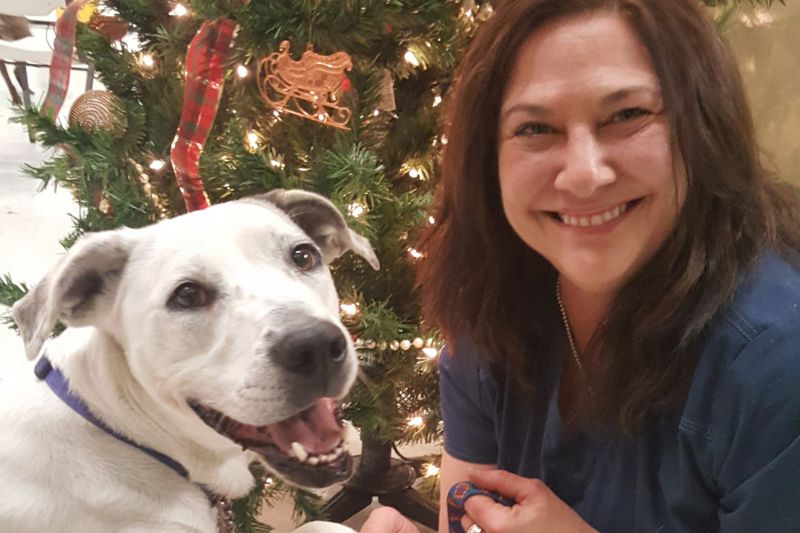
point(617, 279)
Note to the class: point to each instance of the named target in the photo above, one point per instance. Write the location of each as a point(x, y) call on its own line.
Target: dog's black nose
point(311, 347)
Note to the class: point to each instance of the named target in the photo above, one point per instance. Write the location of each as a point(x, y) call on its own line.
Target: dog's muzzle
point(307, 448)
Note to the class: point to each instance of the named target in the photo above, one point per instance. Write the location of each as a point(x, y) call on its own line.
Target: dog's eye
point(189, 295)
point(305, 256)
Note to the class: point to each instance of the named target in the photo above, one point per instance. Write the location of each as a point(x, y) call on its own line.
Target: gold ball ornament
point(98, 110)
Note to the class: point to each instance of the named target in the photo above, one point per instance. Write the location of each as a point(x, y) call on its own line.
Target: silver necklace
point(570, 339)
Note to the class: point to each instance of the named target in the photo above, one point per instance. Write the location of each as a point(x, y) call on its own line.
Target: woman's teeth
point(300, 454)
point(594, 220)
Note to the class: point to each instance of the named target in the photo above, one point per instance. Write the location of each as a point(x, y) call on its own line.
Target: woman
point(614, 273)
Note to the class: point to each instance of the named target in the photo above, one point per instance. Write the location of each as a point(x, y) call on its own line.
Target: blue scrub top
point(729, 462)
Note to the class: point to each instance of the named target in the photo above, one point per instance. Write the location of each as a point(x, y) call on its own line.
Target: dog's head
point(228, 314)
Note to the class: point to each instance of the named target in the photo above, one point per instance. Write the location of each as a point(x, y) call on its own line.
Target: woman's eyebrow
point(611, 98)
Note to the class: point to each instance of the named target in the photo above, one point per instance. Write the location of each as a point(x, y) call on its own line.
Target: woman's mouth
point(595, 219)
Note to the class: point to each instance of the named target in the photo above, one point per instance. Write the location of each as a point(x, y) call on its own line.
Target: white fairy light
point(349, 308)
point(252, 140)
point(242, 71)
point(411, 59)
point(179, 10)
point(437, 100)
point(414, 173)
point(147, 60)
point(416, 254)
point(415, 422)
point(157, 164)
point(376, 113)
point(430, 352)
point(431, 220)
point(431, 470)
point(356, 209)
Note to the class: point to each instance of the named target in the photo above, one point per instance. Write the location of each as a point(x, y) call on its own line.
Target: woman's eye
point(305, 256)
point(628, 114)
point(534, 129)
point(190, 295)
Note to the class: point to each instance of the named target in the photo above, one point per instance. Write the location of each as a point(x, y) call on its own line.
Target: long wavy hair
point(480, 282)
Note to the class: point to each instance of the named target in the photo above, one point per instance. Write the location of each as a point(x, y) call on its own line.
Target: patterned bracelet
point(457, 497)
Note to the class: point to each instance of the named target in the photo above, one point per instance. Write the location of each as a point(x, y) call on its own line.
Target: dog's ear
point(74, 290)
point(322, 221)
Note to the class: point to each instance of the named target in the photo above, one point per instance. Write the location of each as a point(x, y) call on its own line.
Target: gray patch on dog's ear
point(72, 289)
point(323, 222)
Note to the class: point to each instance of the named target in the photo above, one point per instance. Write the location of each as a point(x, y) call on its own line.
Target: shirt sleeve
point(467, 406)
point(757, 456)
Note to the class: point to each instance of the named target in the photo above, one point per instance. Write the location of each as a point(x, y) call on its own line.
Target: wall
point(769, 59)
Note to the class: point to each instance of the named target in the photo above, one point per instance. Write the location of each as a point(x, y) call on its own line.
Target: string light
point(431, 220)
point(414, 173)
point(416, 254)
point(431, 470)
point(411, 59)
point(415, 422)
point(157, 164)
point(437, 100)
point(430, 352)
point(147, 61)
point(349, 308)
point(252, 140)
point(376, 113)
point(179, 10)
point(242, 71)
point(356, 209)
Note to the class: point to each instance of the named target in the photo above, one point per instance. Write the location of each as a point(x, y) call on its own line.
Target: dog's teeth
point(299, 452)
point(313, 460)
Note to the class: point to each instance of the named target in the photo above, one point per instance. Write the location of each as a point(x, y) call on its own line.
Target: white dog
point(200, 344)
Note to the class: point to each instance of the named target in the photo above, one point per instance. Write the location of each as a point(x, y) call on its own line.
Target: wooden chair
point(35, 50)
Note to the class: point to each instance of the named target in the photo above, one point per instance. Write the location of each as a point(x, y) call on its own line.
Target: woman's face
point(587, 173)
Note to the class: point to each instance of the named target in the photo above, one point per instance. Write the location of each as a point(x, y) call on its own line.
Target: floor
point(33, 221)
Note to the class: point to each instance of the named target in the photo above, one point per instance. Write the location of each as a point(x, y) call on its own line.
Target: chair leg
point(15, 99)
point(21, 72)
point(89, 76)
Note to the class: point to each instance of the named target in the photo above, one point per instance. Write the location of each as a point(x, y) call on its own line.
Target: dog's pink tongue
point(315, 428)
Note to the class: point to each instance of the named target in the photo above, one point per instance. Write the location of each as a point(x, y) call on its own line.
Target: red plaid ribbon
point(61, 61)
point(205, 60)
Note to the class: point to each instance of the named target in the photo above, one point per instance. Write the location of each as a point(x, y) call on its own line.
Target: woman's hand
point(536, 510)
point(388, 520)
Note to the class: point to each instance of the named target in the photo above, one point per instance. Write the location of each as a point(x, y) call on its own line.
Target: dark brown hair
point(480, 282)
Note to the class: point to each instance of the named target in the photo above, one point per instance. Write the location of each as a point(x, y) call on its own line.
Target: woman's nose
point(585, 168)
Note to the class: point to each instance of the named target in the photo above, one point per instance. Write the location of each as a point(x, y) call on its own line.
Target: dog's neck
point(99, 373)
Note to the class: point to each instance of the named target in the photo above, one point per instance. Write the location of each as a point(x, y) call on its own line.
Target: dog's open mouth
point(306, 448)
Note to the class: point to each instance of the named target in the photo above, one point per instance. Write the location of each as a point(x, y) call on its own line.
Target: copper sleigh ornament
point(307, 88)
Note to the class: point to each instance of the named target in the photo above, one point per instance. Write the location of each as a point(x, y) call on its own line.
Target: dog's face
point(230, 314)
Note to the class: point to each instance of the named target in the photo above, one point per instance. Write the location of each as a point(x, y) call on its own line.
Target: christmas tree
point(206, 101)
